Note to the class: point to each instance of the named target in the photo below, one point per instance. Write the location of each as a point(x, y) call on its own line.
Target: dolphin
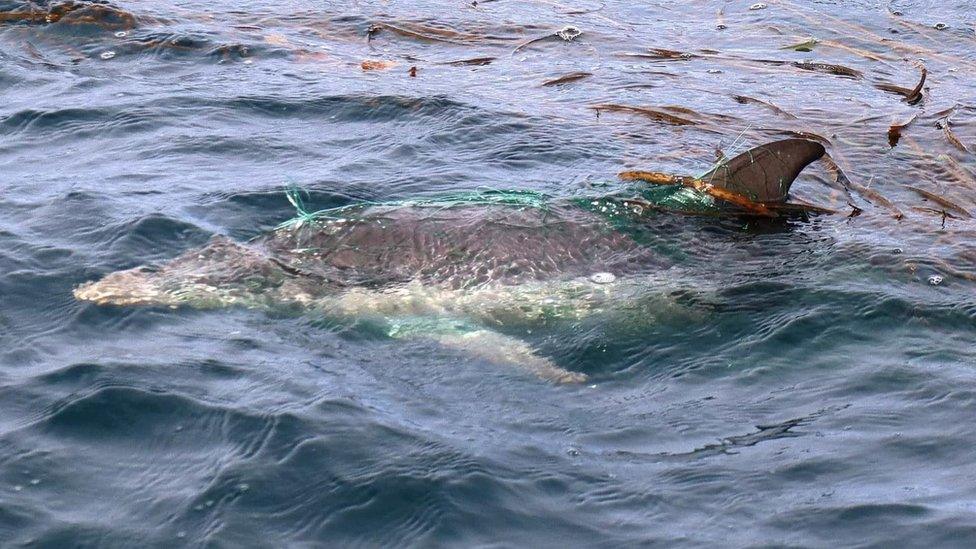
point(465, 273)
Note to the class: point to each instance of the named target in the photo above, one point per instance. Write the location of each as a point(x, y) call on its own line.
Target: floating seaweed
point(567, 78)
point(828, 68)
point(673, 55)
point(955, 169)
point(940, 213)
point(656, 115)
point(672, 115)
point(894, 131)
point(941, 201)
point(912, 96)
point(946, 127)
point(475, 61)
point(856, 51)
point(657, 178)
point(960, 173)
point(867, 193)
point(725, 195)
point(742, 100)
point(661, 53)
point(423, 32)
point(585, 12)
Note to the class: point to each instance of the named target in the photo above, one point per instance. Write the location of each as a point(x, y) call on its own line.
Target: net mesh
point(486, 197)
point(672, 197)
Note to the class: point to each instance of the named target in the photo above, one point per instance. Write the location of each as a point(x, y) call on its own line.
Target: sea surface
point(815, 388)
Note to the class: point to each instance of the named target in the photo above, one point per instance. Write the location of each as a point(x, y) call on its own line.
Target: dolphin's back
point(457, 246)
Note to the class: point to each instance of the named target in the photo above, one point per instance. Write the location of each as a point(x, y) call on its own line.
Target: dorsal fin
point(765, 173)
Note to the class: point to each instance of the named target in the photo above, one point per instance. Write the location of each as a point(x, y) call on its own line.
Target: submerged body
point(448, 273)
point(461, 248)
point(462, 273)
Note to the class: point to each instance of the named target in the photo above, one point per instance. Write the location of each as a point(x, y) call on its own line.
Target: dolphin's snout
point(132, 287)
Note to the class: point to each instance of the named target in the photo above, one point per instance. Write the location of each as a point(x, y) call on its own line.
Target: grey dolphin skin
point(456, 274)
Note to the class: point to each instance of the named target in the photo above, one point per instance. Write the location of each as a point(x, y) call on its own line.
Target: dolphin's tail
point(765, 173)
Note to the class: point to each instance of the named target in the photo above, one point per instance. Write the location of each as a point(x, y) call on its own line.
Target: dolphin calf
point(463, 273)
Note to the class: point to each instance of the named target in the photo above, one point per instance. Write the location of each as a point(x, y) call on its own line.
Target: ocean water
point(801, 383)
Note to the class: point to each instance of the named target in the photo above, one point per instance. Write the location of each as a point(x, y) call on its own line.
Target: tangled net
point(485, 197)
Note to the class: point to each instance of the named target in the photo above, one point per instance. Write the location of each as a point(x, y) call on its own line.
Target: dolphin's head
point(222, 273)
point(139, 286)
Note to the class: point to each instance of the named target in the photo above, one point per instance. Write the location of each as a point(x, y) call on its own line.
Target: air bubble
point(935, 280)
point(107, 55)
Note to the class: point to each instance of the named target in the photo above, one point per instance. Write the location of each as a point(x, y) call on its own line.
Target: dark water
point(819, 390)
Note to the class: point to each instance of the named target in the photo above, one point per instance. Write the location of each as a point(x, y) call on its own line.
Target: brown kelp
point(567, 78)
point(913, 95)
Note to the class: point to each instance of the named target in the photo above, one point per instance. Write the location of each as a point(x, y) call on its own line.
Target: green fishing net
point(616, 207)
point(486, 197)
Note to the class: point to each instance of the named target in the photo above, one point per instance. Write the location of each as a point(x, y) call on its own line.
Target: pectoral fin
point(503, 349)
point(484, 344)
